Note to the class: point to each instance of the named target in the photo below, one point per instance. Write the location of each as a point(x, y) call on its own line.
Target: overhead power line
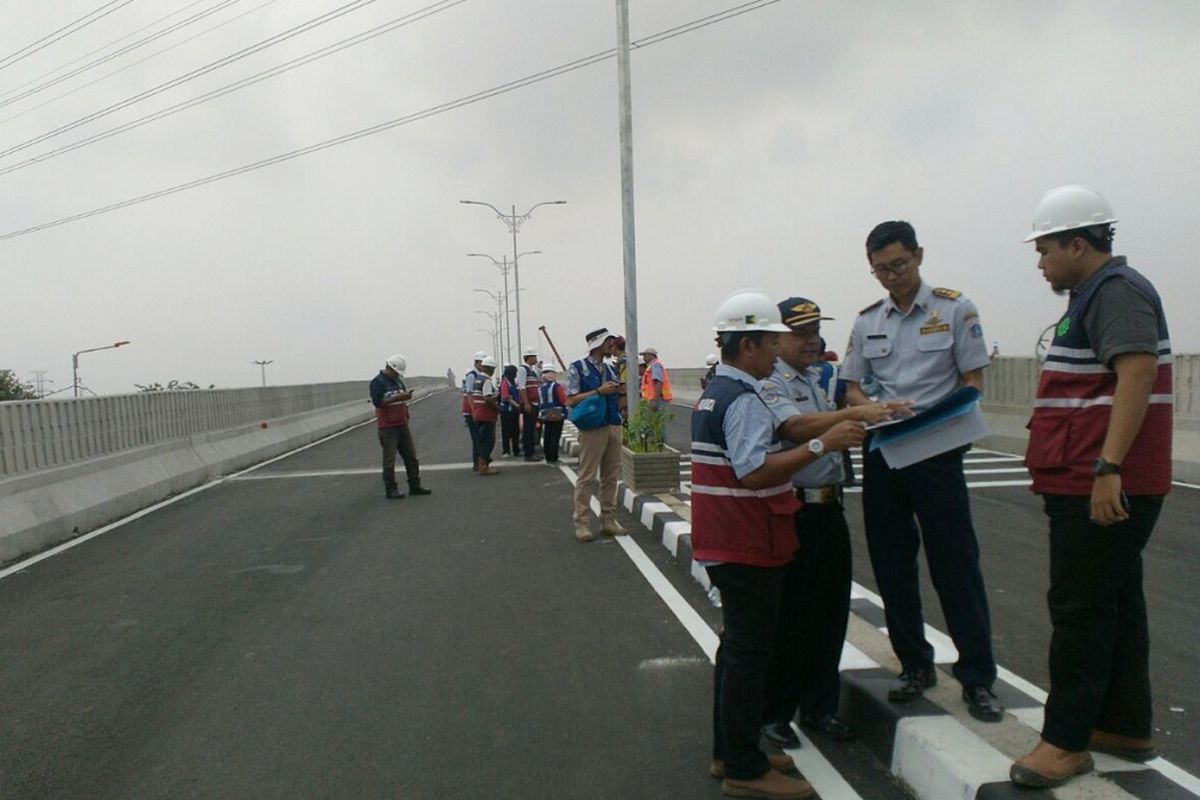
point(432, 111)
point(143, 60)
point(271, 41)
point(63, 32)
point(387, 27)
point(199, 15)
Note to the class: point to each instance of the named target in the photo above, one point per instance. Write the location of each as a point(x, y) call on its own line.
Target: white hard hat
point(711, 360)
point(480, 356)
point(487, 361)
point(397, 363)
point(1069, 207)
point(549, 366)
point(749, 310)
point(529, 351)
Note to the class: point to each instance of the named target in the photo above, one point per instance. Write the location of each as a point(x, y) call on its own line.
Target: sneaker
point(611, 527)
point(772, 785)
point(488, 469)
point(913, 684)
point(780, 761)
point(782, 735)
point(583, 533)
point(394, 493)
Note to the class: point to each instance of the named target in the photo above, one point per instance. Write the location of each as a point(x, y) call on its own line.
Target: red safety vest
point(481, 411)
point(533, 384)
point(1074, 404)
point(730, 522)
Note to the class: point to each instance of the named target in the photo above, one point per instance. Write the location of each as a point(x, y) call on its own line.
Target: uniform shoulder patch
point(949, 294)
point(876, 304)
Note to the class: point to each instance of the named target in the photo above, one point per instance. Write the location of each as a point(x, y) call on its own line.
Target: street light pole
point(502, 265)
point(495, 318)
point(75, 362)
point(263, 365)
point(513, 221)
point(632, 392)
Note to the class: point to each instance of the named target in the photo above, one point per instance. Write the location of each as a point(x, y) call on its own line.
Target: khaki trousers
point(599, 452)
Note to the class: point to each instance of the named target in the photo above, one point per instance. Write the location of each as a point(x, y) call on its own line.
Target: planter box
point(650, 473)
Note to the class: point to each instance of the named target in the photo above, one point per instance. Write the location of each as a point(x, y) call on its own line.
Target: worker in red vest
point(529, 383)
point(390, 397)
point(1100, 457)
point(485, 410)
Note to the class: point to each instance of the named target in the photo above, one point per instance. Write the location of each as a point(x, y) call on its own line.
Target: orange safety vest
point(648, 384)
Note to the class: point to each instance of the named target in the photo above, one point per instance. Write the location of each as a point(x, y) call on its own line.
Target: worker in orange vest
point(656, 383)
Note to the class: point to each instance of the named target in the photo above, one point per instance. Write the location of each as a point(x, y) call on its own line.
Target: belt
point(822, 495)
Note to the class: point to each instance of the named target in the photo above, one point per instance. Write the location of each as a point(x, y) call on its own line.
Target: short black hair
point(890, 232)
point(510, 371)
point(730, 342)
point(1100, 237)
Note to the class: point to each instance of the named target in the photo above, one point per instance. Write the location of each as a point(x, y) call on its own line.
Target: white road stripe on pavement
point(325, 473)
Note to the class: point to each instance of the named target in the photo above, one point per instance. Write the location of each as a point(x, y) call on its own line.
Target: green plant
point(647, 428)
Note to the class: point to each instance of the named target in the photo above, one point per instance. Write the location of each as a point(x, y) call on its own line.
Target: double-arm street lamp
point(513, 221)
point(496, 329)
point(503, 265)
point(75, 362)
point(263, 366)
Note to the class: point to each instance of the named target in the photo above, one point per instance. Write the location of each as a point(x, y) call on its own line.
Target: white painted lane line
point(327, 473)
point(823, 776)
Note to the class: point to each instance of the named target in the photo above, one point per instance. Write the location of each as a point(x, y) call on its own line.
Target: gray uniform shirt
point(1119, 319)
point(916, 356)
point(788, 393)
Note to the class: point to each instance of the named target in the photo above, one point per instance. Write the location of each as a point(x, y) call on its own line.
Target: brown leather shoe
point(1047, 765)
point(780, 761)
point(773, 785)
point(487, 469)
point(583, 533)
point(1126, 747)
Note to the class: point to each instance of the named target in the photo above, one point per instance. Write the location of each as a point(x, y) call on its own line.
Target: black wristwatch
point(1102, 467)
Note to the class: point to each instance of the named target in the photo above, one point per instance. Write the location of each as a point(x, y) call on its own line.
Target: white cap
point(596, 337)
point(549, 366)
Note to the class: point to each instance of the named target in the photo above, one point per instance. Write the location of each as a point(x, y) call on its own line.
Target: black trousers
point(551, 434)
point(510, 432)
point(529, 420)
point(1100, 645)
point(398, 440)
point(815, 612)
point(935, 492)
point(750, 602)
point(474, 432)
point(487, 439)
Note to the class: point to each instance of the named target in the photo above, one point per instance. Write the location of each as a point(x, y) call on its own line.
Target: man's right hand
point(609, 387)
point(846, 434)
point(871, 413)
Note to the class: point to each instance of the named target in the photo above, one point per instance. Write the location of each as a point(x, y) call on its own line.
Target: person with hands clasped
point(743, 535)
point(485, 409)
point(816, 587)
point(921, 343)
point(1100, 457)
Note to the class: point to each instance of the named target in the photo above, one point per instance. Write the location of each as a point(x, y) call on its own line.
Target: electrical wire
point(322, 19)
point(116, 54)
point(133, 64)
point(466, 100)
point(400, 22)
point(62, 33)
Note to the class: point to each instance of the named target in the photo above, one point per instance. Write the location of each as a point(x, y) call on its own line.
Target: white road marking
point(327, 473)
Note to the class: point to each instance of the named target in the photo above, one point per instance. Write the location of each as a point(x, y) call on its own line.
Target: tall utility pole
point(263, 366)
point(39, 382)
point(75, 362)
point(513, 221)
point(632, 389)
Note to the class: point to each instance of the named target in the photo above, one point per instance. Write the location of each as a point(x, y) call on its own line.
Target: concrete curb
point(44, 508)
point(932, 744)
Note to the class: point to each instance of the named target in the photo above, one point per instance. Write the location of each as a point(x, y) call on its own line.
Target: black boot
point(415, 488)
point(394, 493)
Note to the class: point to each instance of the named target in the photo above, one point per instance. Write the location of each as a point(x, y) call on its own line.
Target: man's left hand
point(1106, 500)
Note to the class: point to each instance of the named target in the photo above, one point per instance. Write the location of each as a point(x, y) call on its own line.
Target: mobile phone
point(1125, 504)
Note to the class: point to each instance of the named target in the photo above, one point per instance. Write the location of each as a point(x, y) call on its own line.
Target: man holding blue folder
point(920, 344)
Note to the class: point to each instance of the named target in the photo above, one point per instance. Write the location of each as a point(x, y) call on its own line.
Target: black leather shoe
point(416, 489)
point(913, 684)
point(393, 493)
point(782, 735)
point(829, 725)
point(982, 704)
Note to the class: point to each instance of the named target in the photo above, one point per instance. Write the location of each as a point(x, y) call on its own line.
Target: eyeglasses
point(897, 267)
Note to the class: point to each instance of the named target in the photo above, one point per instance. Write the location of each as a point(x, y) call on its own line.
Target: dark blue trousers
point(933, 491)
point(474, 431)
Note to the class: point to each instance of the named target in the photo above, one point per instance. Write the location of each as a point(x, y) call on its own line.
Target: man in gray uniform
point(816, 588)
point(921, 344)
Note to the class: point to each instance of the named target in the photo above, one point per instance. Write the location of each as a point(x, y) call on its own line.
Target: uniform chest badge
point(1063, 326)
point(935, 318)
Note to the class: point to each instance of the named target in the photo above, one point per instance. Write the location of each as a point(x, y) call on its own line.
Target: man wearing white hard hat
point(1100, 457)
point(485, 409)
point(468, 385)
point(390, 397)
point(743, 535)
point(529, 381)
point(552, 408)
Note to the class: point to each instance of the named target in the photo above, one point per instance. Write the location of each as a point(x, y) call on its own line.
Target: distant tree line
point(12, 388)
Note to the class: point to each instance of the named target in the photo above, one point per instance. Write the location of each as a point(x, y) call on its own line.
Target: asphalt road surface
point(288, 633)
point(1014, 551)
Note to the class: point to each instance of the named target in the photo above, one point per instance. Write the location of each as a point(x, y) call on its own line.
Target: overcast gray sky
point(766, 147)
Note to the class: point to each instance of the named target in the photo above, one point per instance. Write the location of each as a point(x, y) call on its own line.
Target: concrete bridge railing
point(69, 466)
